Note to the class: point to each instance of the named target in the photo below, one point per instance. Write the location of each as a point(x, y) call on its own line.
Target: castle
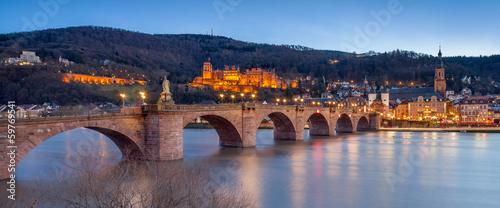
point(231, 78)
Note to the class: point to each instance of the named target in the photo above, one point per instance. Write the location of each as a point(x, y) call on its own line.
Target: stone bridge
point(157, 132)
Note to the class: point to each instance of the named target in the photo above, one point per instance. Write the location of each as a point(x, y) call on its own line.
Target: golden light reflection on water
point(250, 181)
point(298, 178)
point(348, 170)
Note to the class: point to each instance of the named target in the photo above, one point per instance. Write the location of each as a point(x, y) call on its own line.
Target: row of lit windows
point(473, 113)
point(421, 105)
point(418, 114)
point(474, 107)
point(420, 109)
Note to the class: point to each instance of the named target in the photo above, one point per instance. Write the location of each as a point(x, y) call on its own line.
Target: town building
point(431, 108)
point(64, 61)
point(401, 111)
point(26, 58)
point(477, 110)
point(356, 103)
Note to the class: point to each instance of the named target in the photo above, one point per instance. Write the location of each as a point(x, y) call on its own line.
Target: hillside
point(149, 57)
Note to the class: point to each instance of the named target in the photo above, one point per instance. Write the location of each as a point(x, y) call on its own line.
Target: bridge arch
point(228, 133)
point(344, 124)
point(318, 124)
point(363, 124)
point(284, 128)
point(129, 143)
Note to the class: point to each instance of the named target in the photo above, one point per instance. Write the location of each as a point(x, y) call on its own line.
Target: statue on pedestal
point(166, 85)
point(166, 96)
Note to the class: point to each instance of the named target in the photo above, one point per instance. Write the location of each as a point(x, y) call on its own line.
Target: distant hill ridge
point(181, 56)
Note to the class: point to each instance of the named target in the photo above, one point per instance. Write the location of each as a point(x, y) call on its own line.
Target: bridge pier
point(163, 136)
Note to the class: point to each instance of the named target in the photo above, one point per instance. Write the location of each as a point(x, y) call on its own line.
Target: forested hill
point(145, 56)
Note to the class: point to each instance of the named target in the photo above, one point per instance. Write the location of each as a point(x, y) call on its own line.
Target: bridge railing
point(201, 107)
point(47, 114)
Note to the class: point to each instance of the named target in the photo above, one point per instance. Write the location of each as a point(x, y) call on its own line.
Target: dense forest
point(150, 57)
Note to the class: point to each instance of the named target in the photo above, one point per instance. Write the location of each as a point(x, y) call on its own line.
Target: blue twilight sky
point(470, 28)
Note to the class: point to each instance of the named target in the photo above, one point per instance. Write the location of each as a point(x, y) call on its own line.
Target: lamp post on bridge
point(242, 95)
point(222, 98)
point(143, 96)
point(253, 98)
point(232, 98)
point(123, 99)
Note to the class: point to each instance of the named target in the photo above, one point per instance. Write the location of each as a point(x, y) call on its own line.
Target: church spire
point(440, 55)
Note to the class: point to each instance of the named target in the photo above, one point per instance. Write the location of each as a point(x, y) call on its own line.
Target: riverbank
point(451, 129)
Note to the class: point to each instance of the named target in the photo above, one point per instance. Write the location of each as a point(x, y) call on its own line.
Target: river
point(368, 169)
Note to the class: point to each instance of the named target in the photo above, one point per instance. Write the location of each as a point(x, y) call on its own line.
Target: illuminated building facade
point(427, 109)
point(476, 110)
point(401, 111)
point(231, 78)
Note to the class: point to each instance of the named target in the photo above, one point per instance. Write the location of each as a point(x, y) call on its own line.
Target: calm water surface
point(372, 169)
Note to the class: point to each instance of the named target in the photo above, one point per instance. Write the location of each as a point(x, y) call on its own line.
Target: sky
point(469, 28)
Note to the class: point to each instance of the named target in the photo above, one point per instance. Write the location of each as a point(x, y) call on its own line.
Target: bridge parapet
point(201, 107)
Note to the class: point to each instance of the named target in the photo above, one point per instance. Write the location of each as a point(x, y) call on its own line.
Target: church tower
point(439, 78)
point(207, 70)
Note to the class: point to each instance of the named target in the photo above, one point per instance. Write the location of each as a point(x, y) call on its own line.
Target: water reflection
point(349, 170)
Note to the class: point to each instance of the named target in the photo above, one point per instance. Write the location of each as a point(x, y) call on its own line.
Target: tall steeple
point(441, 56)
point(439, 77)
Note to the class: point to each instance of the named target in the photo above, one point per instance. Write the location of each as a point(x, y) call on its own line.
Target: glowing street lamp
point(222, 98)
point(143, 96)
point(253, 97)
point(232, 98)
point(242, 95)
point(123, 99)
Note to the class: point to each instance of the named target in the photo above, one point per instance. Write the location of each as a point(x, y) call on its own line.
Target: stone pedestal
point(166, 98)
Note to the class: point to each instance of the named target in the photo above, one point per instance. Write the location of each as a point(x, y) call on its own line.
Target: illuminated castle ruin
point(231, 78)
point(88, 79)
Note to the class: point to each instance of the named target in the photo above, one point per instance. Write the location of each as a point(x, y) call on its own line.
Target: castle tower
point(439, 78)
point(207, 70)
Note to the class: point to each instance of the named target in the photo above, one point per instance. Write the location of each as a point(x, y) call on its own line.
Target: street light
point(278, 100)
point(253, 97)
point(123, 99)
point(242, 95)
point(222, 98)
point(232, 98)
point(143, 96)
